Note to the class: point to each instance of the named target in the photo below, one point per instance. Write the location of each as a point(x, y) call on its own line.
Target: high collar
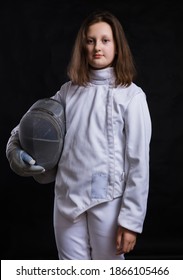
point(102, 76)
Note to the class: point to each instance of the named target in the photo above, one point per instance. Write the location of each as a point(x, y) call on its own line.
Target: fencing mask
point(42, 131)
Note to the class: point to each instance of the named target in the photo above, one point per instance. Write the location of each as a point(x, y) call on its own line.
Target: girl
point(102, 178)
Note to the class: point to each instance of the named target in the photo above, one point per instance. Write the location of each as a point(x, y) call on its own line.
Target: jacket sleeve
point(138, 135)
point(12, 144)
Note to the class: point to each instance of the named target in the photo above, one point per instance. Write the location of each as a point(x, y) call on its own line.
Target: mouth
point(97, 56)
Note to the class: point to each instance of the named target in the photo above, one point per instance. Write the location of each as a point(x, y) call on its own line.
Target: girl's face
point(100, 45)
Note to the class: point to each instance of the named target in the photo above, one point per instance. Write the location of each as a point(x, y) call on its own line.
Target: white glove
point(21, 162)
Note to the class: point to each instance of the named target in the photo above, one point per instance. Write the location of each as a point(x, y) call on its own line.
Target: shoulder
point(65, 86)
point(61, 94)
point(128, 93)
point(132, 90)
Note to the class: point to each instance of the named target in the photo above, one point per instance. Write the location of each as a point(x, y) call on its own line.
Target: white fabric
point(93, 236)
point(106, 149)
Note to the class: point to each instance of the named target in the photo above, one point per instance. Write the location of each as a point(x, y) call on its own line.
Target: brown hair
point(78, 68)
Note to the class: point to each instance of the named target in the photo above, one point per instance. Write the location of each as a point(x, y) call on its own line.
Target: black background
point(36, 38)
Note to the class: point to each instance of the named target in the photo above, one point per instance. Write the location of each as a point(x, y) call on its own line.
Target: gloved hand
point(23, 164)
point(20, 162)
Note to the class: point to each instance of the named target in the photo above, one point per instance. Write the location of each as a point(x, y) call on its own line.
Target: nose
point(97, 46)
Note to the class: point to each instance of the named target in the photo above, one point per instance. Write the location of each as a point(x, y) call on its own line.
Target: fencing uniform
point(102, 178)
point(93, 236)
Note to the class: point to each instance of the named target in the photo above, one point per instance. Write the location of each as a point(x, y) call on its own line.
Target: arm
point(23, 164)
point(138, 134)
point(20, 162)
point(125, 240)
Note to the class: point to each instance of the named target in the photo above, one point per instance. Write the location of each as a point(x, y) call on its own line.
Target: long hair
point(78, 68)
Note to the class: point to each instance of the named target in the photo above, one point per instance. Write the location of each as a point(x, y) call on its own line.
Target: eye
point(105, 40)
point(90, 41)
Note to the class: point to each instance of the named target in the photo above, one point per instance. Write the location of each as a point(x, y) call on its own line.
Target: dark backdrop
point(36, 42)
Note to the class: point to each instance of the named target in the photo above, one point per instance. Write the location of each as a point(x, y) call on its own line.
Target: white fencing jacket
point(106, 149)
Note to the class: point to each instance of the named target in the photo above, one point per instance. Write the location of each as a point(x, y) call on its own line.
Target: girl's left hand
point(125, 240)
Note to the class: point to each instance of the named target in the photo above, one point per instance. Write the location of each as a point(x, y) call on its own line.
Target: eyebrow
point(103, 35)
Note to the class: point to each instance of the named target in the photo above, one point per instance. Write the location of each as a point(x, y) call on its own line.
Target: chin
point(98, 67)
